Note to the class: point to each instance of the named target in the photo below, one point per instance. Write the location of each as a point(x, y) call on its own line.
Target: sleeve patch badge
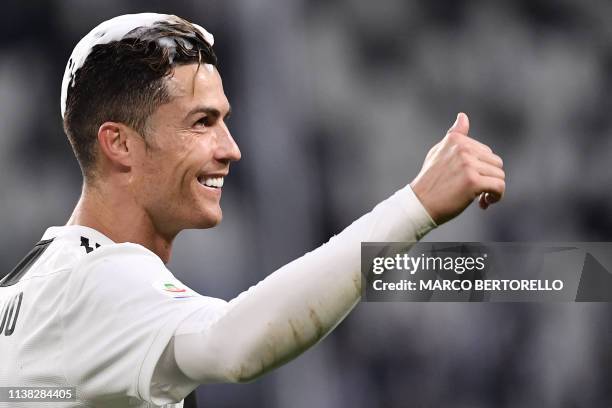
point(174, 289)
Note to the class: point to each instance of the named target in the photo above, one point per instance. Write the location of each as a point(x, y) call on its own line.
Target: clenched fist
point(456, 171)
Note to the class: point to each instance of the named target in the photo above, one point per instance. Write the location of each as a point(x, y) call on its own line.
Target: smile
point(213, 182)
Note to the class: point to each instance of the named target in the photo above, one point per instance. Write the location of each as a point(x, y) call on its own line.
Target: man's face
point(189, 152)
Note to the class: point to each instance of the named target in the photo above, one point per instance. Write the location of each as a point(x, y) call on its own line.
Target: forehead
point(193, 84)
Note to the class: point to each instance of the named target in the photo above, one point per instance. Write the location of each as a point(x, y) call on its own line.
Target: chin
point(209, 220)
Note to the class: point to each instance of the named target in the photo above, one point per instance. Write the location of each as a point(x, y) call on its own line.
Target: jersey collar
point(69, 231)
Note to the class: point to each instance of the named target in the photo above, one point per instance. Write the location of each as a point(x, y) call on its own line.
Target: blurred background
point(336, 104)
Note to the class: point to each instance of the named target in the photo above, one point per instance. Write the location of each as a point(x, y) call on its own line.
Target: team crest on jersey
point(174, 289)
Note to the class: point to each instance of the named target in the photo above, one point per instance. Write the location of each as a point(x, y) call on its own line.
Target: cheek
point(171, 167)
point(204, 148)
point(153, 178)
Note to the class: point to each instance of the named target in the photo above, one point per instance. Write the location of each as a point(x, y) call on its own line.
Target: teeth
point(216, 182)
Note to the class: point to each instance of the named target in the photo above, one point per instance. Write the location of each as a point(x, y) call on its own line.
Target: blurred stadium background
point(335, 106)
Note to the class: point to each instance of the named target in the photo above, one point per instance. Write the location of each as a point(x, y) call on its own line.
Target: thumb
point(461, 125)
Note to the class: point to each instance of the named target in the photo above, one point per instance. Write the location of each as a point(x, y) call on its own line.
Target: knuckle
point(464, 148)
point(466, 159)
point(468, 165)
point(471, 179)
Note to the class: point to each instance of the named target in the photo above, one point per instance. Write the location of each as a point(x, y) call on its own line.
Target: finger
point(474, 146)
point(492, 185)
point(466, 146)
point(490, 170)
point(490, 158)
point(479, 146)
point(491, 199)
point(461, 125)
point(482, 202)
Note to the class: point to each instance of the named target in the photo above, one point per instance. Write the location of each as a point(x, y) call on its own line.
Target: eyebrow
point(209, 110)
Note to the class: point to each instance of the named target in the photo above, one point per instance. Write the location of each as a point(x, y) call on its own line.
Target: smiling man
point(93, 305)
point(167, 177)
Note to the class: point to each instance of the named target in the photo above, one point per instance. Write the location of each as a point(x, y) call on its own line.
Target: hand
point(456, 171)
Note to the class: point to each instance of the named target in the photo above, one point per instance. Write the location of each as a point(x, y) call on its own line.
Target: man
point(93, 305)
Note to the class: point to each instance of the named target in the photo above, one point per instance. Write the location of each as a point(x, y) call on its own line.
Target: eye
point(203, 121)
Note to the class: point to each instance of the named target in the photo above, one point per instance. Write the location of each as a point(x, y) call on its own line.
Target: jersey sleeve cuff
point(420, 218)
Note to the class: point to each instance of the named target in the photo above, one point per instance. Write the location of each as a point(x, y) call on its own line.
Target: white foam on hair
point(111, 30)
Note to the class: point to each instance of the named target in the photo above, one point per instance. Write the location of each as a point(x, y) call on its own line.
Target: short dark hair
point(124, 81)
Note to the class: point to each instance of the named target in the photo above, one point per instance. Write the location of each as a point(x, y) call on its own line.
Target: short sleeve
point(120, 310)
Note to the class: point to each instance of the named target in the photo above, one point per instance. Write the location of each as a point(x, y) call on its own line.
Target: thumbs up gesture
point(456, 171)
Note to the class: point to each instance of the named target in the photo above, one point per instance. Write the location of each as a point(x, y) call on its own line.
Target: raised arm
point(297, 305)
point(300, 303)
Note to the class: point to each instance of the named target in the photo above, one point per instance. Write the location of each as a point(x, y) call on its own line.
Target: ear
point(114, 147)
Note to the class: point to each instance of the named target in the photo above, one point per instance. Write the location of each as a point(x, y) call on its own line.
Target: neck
point(116, 215)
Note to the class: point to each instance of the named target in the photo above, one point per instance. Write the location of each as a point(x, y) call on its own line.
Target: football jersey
point(82, 311)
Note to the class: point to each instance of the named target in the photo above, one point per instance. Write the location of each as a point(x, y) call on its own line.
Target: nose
point(227, 148)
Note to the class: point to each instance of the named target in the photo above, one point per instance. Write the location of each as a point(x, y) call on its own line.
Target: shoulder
point(121, 308)
point(122, 256)
point(126, 264)
point(74, 248)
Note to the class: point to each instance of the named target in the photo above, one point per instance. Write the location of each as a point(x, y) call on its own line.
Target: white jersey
point(112, 321)
point(82, 311)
